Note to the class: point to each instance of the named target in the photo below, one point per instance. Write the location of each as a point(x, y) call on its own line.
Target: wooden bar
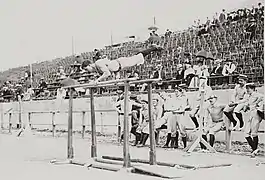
point(70, 152)
point(126, 154)
point(10, 122)
point(152, 152)
point(111, 83)
point(2, 116)
point(53, 124)
point(93, 124)
point(83, 124)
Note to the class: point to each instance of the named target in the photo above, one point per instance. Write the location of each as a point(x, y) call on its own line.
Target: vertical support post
point(101, 123)
point(70, 152)
point(83, 124)
point(19, 112)
point(2, 117)
point(53, 124)
point(126, 154)
point(119, 127)
point(93, 124)
point(29, 117)
point(10, 122)
point(152, 152)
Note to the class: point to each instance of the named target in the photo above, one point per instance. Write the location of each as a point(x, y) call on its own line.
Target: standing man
point(207, 93)
point(236, 104)
point(135, 119)
point(177, 117)
point(118, 106)
point(120, 109)
point(167, 106)
point(214, 120)
point(253, 123)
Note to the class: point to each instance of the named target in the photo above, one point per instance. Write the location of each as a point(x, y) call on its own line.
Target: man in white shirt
point(106, 67)
point(228, 68)
point(207, 90)
point(235, 105)
point(253, 123)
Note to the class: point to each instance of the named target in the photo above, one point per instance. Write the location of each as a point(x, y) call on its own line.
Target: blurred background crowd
point(224, 46)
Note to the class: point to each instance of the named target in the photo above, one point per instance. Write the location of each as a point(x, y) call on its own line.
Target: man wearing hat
point(107, 67)
point(120, 109)
point(173, 117)
point(253, 123)
point(214, 120)
point(118, 106)
point(217, 71)
point(236, 104)
point(228, 68)
point(143, 127)
point(177, 118)
point(135, 118)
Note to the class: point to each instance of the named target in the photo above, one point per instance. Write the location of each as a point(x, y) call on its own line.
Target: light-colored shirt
point(239, 93)
point(120, 105)
point(254, 99)
point(207, 93)
point(228, 69)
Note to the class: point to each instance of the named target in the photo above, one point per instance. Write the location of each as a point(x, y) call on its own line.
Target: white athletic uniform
point(120, 63)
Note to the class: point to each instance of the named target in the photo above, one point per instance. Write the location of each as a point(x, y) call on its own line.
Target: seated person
point(214, 120)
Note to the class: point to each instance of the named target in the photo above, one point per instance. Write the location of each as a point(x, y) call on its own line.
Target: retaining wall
point(106, 116)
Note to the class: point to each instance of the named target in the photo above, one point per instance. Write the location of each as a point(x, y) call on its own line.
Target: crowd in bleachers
point(234, 40)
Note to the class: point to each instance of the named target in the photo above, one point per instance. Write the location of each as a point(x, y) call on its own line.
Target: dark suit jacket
point(218, 71)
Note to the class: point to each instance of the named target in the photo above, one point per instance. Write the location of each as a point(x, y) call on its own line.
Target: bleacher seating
point(228, 40)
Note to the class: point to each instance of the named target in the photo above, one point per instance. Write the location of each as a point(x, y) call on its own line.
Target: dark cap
point(119, 91)
point(144, 101)
point(251, 85)
point(242, 76)
point(212, 96)
point(133, 96)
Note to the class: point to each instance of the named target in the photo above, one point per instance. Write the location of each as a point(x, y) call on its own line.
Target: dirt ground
point(28, 157)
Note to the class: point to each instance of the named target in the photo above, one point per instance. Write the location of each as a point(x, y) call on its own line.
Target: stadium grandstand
point(234, 39)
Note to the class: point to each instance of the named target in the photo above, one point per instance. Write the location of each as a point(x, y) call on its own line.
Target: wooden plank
point(160, 171)
point(152, 152)
point(109, 167)
point(70, 150)
point(100, 160)
point(126, 154)
point(93, 124)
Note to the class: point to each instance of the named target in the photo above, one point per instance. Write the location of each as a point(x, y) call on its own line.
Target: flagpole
point(73, 46)
point(31, 80)
point(111, 44)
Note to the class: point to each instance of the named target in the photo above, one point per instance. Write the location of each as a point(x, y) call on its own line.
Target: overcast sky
point(39, 30)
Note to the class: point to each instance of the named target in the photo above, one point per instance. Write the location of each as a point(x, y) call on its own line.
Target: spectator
point(189, 73)
point(251, 28)
point(159, 74)
point(229, 68)
point(61, 74)
point(222, 17)
point(7, 94)
point(218, 68)
point(29, 94)
point(217, 71)
point(97, 55)
point(180, 73)
point(168, 33)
